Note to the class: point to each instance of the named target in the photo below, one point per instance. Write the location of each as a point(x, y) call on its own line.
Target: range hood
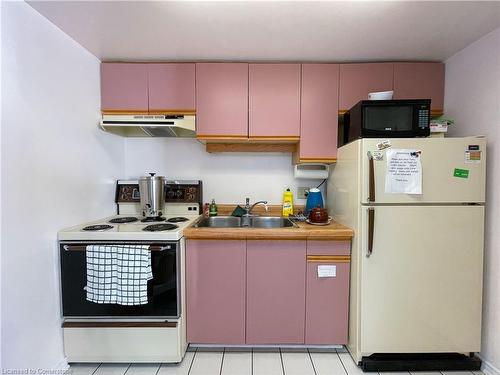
point(182, 126)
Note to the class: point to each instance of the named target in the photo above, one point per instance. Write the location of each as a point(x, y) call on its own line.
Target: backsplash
point(227, 177)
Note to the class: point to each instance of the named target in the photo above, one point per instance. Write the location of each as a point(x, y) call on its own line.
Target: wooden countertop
point(304, 231)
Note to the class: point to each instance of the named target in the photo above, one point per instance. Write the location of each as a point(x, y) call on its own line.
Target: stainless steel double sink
point(236, 222)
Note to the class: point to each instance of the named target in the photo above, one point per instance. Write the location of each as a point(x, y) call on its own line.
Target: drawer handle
point(328, 258)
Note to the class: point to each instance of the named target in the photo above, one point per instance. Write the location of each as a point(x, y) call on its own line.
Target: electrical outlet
point(302, 192)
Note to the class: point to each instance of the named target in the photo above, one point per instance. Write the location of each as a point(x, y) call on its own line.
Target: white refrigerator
point(417, 259)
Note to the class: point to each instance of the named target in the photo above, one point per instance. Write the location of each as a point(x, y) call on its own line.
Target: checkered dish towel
point(118, 274)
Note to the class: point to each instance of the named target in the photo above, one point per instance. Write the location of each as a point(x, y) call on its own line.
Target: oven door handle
point(84, 247)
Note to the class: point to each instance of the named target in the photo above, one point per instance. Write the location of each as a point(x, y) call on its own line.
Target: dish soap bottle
point(287, 203)
point(212, 211)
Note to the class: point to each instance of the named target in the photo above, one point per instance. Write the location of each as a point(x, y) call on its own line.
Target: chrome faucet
point(245, 218)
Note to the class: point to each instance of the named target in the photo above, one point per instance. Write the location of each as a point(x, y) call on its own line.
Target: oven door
point(163, 288)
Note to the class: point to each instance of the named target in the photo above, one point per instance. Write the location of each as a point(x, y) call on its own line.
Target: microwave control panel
point(423, 117)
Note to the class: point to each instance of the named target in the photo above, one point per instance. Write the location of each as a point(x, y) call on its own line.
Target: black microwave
point(388, 119)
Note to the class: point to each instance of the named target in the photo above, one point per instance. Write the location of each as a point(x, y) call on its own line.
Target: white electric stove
point(131, 229)
point(152, 332)
point(182, 207)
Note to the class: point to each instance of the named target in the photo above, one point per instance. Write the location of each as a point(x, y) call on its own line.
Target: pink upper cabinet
point(319, 112)
point(171, 87)
point(274, 100)
point(215, 291)
point(275, 292)
point(357, 80)
point(124, 87)
point(222, 99)
point(420, 81)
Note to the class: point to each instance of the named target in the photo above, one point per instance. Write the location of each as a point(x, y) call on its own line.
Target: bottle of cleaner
point(212, 211)
point(287, 203)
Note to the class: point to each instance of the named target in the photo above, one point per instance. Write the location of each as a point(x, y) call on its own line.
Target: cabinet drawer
point(328, 247)
point(122, 344)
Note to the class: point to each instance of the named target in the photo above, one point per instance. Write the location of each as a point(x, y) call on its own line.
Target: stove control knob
point(190, 197)
point(179, 193)
point(170, 194)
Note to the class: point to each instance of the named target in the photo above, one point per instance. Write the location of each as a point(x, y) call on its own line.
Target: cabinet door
point(171, 87)
point(327, 298)
point(222, 100)
point(358, 80)
point(215, 291)
point(275, 292)
point(319, 112)
point(274, 100)
point(124, 87)
point(420, 81)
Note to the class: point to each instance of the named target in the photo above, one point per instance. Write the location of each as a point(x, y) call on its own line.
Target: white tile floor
point(229, 361)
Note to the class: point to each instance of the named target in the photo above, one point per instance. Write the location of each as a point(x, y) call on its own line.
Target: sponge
point(238, 211)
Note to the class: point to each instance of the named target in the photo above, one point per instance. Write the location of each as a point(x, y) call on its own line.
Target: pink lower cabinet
point(327, 292)
point(275, 292)
point(215, 291)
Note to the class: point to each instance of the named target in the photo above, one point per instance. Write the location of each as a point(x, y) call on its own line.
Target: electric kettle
point(314, 199)
point(152, 193)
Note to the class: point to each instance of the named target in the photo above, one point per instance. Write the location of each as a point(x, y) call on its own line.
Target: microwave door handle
point(371, 227)
point(371, 178)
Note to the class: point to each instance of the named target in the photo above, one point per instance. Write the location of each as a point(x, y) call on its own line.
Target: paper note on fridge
point(404, 171)
point(327, 270)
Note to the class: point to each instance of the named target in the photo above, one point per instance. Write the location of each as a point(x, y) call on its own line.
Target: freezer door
point(421, 287)
point(439, 158)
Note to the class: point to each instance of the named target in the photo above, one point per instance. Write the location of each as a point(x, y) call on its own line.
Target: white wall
point(58, 169)
point(227, 177)
point(472, 97)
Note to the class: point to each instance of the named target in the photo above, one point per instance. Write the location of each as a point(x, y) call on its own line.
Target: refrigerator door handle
point(371, 225)
point(371, 180)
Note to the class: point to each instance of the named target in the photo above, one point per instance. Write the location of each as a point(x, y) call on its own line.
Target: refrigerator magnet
point(461, 173)
point(473, 156)
point(384, 144)
point(377, 155)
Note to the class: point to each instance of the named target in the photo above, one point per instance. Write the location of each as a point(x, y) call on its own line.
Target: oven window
point(388, 118)
point(162, 288)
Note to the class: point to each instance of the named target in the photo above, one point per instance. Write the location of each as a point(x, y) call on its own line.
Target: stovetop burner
point(159, 227)
point(153, 219)
point(178, 219)
point(100, 227)
point(122, 220)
